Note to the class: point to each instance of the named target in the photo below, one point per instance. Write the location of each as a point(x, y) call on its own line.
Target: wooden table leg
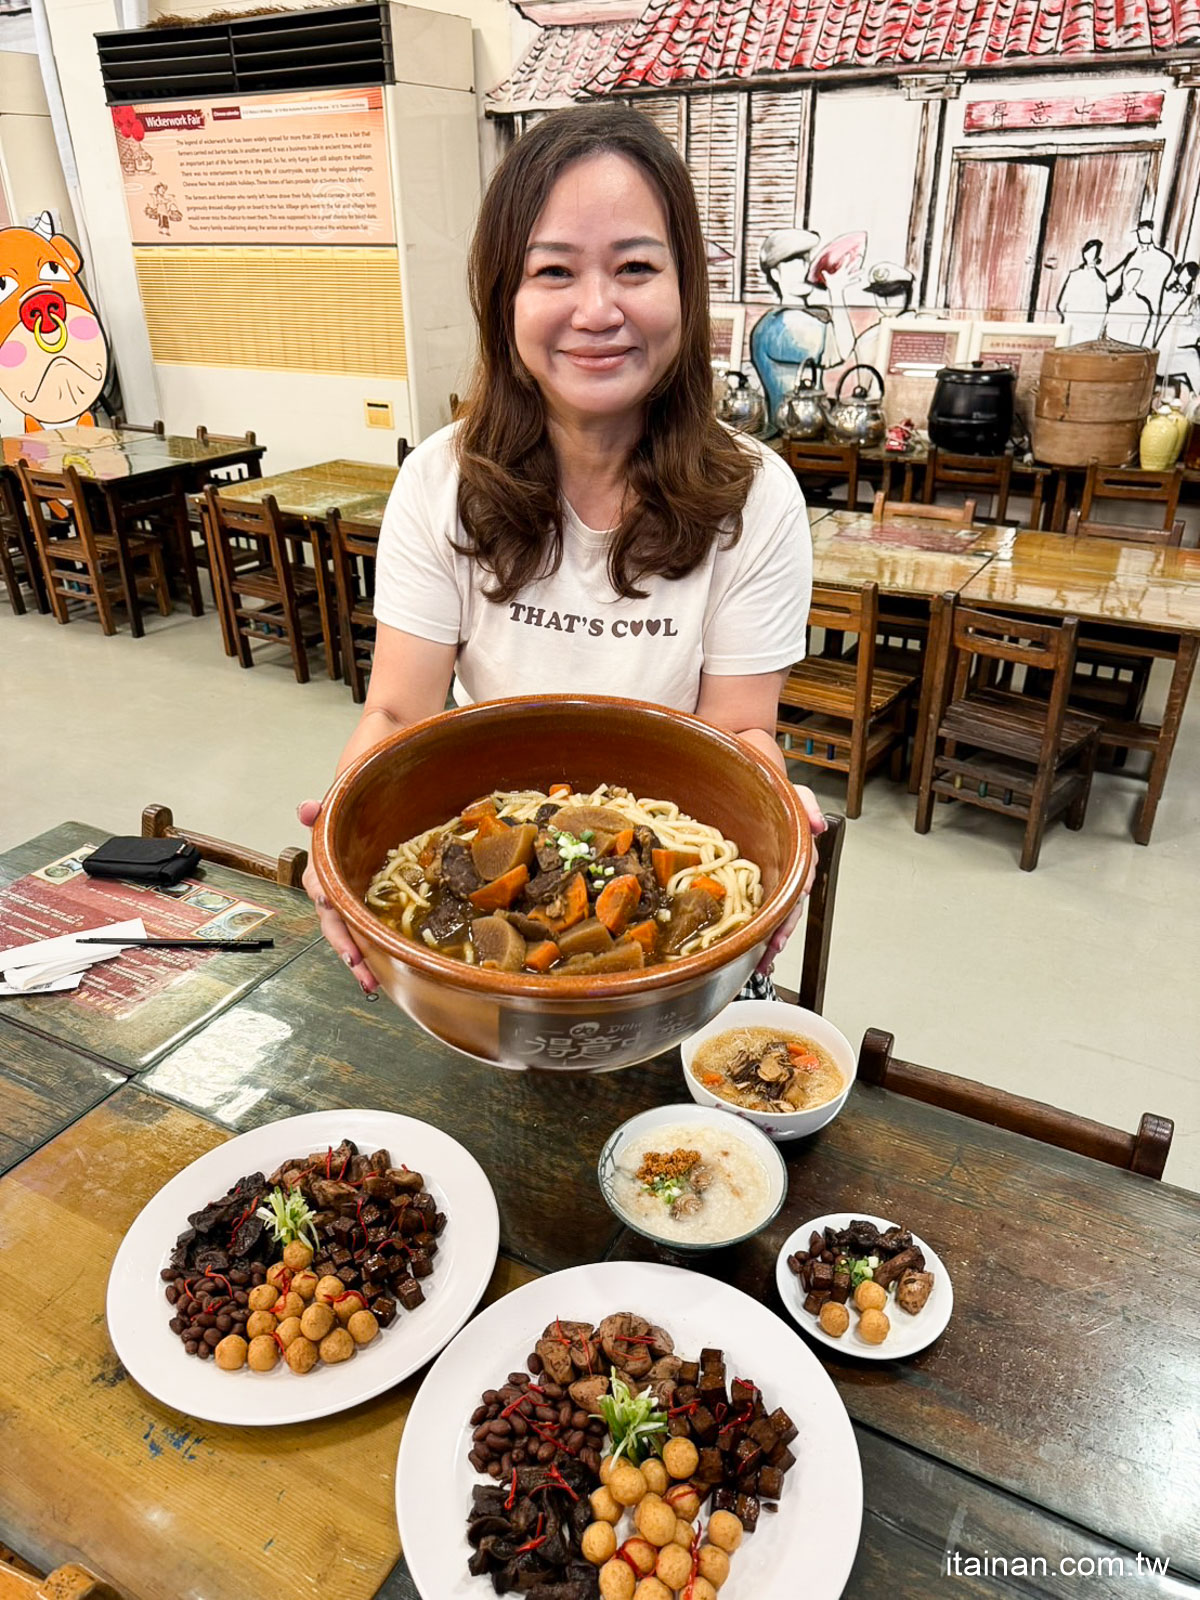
point(1181, 678)
point(187, 553)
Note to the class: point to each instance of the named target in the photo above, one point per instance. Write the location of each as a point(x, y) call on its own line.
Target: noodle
point(400, 887)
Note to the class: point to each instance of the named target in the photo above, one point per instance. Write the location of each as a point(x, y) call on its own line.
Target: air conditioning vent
point(335, 47)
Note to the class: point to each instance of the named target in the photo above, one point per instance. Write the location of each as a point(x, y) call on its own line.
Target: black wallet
point(143, 860)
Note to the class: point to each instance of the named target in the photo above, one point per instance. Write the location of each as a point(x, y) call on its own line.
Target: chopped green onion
point(288, 1217)
point(635, 1425)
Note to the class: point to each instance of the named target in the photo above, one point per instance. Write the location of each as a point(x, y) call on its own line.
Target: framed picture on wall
point(1019, 345)
point(728, 331)
point(915, 347)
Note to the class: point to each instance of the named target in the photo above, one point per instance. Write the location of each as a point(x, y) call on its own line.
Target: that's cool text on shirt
point(571, 622)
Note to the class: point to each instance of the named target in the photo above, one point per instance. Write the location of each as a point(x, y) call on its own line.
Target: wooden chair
point(156, 508)
point(990, 747)
point(818, 924)
point(274, 599)
point(19, 566)
point(235, 471)
point(403, 449)
point(158, 822)
point(64, 1583)
point(990, 475)
point(1125, 532)
point(158, 428)
point(1145, 1151)
point(846, 713)
point(353, 548)
point(885, 510)
point(823, 465)
point(85, 565)
point(1133, 484)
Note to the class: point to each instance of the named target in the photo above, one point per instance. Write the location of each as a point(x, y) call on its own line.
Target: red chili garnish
point(280, 1343)
point(219, 1277)
point(358, 1210)
point(555, 1476)
point(350, 1294)
point(516, 1405)
point(329, 1162)
point(683, 1411)
point(536, 1388)
point(342, 1173)
point(623, 1555)
point(719, 1411)
point(237, 1225)
point(512, 1493)
point(548, 1434)
point(539, 1537)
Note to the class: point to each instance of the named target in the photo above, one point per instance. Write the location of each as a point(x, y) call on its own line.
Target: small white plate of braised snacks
point(865, 1286)
point(628, 1430)
point(302, 1268)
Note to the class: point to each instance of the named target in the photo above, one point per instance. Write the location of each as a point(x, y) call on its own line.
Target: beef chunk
point(547, 886)
point(447, 924)
point(889, 1272)
point(458, 870)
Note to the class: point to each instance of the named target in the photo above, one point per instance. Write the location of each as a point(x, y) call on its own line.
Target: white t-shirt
point(741, 611)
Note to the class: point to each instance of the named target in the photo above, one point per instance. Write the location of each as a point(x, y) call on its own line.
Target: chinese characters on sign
point(1127, 110)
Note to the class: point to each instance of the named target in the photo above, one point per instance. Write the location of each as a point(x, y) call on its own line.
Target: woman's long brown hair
point(688, 476)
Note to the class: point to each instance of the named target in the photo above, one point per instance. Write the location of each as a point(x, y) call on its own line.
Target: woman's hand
point(332, 926)
point(784, 932)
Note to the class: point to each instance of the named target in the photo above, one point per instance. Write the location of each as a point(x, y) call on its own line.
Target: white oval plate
point(908, 1334)
point(138, 1311)
point(815, 1532)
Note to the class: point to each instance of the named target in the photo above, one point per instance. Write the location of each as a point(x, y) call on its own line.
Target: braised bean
point(478, 1415)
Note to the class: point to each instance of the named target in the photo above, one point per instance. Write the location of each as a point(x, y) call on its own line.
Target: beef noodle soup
point(567, 884)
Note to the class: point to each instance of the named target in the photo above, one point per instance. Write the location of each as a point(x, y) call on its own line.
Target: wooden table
point(845, 559)
point(152, 471)
point(1152, 590)
point(1053, 1419)
point(359, 490)
point(106, 455)
point(131, 1042)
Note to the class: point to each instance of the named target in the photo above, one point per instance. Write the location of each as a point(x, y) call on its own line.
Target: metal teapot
point(803, 413)
point(860, 419)
point(742, 405)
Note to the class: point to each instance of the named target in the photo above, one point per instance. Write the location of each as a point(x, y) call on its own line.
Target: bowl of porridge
point(692, 1177)
point(786, 1070)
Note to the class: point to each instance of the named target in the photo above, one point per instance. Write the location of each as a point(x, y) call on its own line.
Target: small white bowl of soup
point(784, 1069)
point(690, 1178)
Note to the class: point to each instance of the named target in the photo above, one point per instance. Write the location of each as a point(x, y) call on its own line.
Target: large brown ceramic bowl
point(429, 772)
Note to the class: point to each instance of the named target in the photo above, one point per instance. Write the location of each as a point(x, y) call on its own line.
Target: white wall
point(32, 173)
point(864, 155)
point(110, 275)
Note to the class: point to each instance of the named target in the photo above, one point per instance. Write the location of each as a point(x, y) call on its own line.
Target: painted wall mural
point(53, 351)
point(862, 166)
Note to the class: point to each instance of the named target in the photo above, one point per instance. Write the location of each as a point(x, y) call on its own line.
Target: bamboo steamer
point(1091, 402)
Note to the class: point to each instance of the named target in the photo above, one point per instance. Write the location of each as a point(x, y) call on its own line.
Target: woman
point(587, 526)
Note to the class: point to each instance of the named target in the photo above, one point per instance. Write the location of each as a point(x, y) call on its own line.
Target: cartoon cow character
point(53, 352)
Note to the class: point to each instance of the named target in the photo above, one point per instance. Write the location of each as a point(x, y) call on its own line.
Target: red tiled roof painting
point(677, 42)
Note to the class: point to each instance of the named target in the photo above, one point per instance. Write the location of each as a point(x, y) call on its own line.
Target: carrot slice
point(478, 809)
point(541, 957)
point(644, 933)
point(620, 844)
point(576, 897)
point(559, 791)
point(709, 885)
point(668, 862)
point(488, 827)
point(500, 893)
point(617, 903)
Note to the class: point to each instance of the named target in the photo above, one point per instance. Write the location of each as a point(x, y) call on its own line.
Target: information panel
point(264, 169)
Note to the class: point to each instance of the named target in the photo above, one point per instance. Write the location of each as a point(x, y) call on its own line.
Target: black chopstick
point(186, 944)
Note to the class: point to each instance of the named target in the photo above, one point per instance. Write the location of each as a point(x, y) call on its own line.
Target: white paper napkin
point(27, 968)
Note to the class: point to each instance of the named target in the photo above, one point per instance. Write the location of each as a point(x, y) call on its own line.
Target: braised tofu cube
point(410, 1293)
point(746, 1511)
point(689, 1372)
point(770, 1483)
point(724, 1499)
point(782, 1458)
point(711, 1467)
point(785, 1428)
point(740, 1392)
point(764, 1433)
point(704, 1425)
point(815, 1299)
point(711, 1359)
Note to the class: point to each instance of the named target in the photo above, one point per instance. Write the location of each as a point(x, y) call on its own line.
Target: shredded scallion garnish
point(288, 1217)
point(634, 1422)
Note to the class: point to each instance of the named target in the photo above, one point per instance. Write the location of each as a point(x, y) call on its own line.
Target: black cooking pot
point(972, 409)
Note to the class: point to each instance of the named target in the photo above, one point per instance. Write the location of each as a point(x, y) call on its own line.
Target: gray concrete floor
point(1076, 983)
